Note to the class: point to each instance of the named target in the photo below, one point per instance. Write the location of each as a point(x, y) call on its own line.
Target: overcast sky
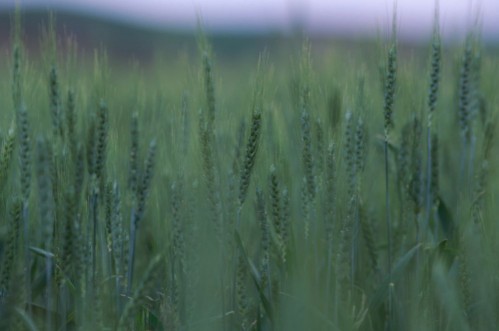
point(357, 17)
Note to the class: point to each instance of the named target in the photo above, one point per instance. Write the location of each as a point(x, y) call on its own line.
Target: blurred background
point(141, 28)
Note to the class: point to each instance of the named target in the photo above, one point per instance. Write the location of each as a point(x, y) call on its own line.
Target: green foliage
point(271, 217)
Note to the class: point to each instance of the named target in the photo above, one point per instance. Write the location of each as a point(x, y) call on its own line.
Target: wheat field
point(326, 190)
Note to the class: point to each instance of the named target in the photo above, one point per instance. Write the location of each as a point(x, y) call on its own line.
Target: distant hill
point(124, 40)
point(127, 40)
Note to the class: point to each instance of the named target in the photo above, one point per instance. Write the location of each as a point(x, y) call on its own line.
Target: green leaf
point(28, 322)
point(255, 276)
point(445, 218)
point(41, 252)
point(381, 293)
point(444, 253)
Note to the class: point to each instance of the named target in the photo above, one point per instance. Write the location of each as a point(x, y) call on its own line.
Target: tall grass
point(307, 201)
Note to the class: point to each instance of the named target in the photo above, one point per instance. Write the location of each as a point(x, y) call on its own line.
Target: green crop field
point(337, 188)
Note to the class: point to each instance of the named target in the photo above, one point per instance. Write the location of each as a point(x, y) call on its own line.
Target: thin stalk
point(336, 300)
point(93, 206)
point(27, 256)
point(64, 304)
point(355, 238)
point(428, 181)
point(388, 220)
point(131, 251)
point(222, 286)
point(388, 233)
point(328, 274)
point(48, 273)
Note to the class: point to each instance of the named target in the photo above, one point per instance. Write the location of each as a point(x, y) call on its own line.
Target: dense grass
point(326, 191)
